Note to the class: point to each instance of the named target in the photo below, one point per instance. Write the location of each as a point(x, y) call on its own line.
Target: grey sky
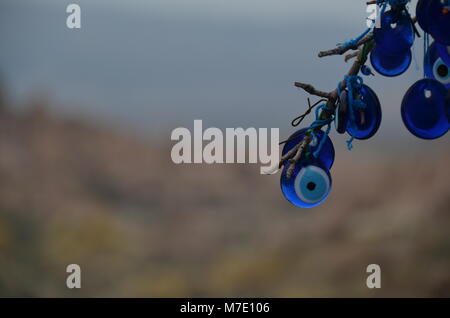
point(153, 65)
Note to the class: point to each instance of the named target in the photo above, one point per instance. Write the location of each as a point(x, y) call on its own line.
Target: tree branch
point(344, 49)
point(294, 155)
point(311, 90)
point(298, 154)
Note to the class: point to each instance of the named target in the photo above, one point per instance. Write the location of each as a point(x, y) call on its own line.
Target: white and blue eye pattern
point(312, 185)
point(441, 72)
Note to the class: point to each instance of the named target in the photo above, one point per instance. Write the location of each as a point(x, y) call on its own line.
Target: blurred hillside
point(72, 192)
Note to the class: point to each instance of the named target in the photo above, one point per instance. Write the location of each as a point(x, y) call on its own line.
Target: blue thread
point(426, 57)
point(397, 3)
point(318, 123)
point(354, 85)
point(354, 42)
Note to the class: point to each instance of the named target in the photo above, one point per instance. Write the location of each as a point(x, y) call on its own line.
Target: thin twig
point(294, 155)
point(311, 90)
point(293, 162)
point(344, 49)
point(349, 56)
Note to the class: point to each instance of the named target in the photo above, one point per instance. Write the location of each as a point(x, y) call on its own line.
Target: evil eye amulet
point(424, 110)
point(435, 67)
point(438, 12)
point(388, 64)
point(422, 14)
point(326, 155)
point(443, 52)
point(309, 185)
point(447, 106)
point(396, 33)
point(367, 121)
point(341, 116)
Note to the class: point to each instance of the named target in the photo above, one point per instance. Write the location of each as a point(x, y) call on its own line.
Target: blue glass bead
point(309, 185)
point(424, 111)
point(372, 116)
point(390, 65)
point(341, 116)
point(422, 14)
point(326, 155)
point(396, 33)
point(439, 17)
point(444, 52)
point(435, 67)
point(365, 70)
point(447, 106)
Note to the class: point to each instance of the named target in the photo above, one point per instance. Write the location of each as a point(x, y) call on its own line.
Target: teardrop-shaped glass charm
point(435, 67)
point(390, 65)
point(367, 122)
point(396, 33)
point(444, 52)
point(447, 106)
point(422, 14)
point(326, 155)
point(424, 109)
point(341, 116)
point(309, 185)
point(439, 16)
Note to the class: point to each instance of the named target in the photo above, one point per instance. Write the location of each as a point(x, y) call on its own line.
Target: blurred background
point(86, 175)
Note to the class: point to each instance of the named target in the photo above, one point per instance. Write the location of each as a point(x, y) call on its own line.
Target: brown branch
point(349, 56)
point(294, 155)
point(311, 90)
point(344, 49)
point(301, 148)
point(289, 155)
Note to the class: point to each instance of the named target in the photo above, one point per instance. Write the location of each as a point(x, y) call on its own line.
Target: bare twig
point(301, 148)
point(289, 155)
point(311, 90)
point(294, 155)
point(349, 56)
point(344, 49)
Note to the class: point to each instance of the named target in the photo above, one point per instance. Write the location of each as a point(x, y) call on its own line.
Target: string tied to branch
point(354, 42)
point(319, 122)
point(354, 86)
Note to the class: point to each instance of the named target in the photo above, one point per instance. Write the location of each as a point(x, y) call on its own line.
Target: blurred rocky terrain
point(138, 225)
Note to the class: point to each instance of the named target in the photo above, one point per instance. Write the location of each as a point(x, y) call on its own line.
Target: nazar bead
point(341, 116)
point(422, 16)
point(438, 15)
point(326, 155)
point(435, 67)
point(425, 109)
point(444, 52)
point(390, 64)
point(309, 185)
point(396, 34)
point(366, 121)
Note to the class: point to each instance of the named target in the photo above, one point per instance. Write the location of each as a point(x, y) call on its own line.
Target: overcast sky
point(152, 65)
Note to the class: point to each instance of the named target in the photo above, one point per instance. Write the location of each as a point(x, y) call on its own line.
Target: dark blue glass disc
point(390, 65)
point(341, 116)
point(444, 52)
point(435, 67)
point(309, 185)
point(366, 125)
point(396, 33)
point(424, 109)
point(326, 155)
point(439, 17)
point(447, 106)
point(422, 14)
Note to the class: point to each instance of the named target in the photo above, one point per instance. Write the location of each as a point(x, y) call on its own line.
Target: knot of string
point(319, 122)
point(354, 42)
point(354, 85)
